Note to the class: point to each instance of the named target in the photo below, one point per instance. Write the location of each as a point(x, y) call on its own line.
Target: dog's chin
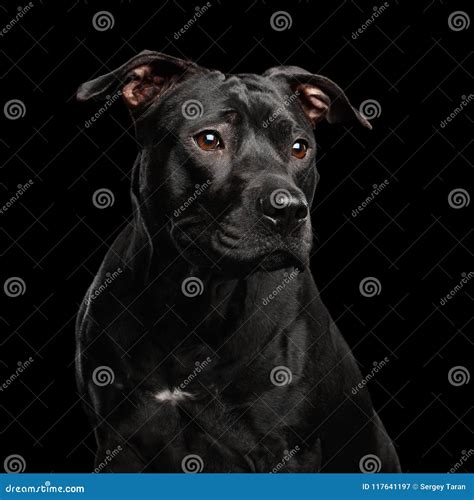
point(281, 260)
point(265, 254)
point(231, 255)
point(239, 263)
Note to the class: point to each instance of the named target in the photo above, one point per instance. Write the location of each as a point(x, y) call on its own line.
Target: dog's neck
point(215, 305)
point(218, 305)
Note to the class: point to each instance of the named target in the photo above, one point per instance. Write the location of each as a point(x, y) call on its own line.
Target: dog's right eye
point(209, 140)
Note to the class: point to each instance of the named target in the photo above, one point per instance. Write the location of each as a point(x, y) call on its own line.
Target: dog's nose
point(284, 209)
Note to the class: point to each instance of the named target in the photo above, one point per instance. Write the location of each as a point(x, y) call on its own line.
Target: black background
point(409, 237)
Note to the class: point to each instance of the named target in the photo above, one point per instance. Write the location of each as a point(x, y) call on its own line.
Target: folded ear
point(140, 80)
point(319, 96)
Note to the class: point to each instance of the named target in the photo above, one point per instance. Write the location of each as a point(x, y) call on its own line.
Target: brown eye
point(299, 149)
point(209, 140)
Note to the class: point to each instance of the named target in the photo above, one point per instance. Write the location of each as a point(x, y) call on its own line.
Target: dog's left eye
point(209, 140)
point(299, 149)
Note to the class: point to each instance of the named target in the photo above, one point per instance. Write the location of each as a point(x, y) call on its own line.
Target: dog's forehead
point(248, 85)
point(247, 92)
point(244, 85)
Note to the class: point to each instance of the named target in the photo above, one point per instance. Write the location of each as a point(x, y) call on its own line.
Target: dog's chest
point(237, 409)
point(237, 426)
point(258, 435)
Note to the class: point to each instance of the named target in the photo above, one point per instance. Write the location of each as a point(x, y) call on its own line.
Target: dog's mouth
point(227, 246)
point(268, 252)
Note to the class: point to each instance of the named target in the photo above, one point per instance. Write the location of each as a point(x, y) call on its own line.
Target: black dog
point(203, 343)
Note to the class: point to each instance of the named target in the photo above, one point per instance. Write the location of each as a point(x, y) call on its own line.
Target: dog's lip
point(226, 239)
point(231, 244)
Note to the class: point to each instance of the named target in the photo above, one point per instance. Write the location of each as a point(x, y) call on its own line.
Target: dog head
point(227, 169)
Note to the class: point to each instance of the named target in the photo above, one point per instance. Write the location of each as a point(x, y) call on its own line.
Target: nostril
point(301, 212)
point(283, 209)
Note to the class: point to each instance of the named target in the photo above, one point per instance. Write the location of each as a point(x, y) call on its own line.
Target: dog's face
point(228, 161)
point(239, 175)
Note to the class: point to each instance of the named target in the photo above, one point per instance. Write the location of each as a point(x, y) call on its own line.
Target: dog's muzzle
point(282, 209)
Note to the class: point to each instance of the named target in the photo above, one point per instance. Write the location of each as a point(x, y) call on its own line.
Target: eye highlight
point(299, 149)
point(209, 140)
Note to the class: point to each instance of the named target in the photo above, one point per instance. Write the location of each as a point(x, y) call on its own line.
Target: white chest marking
point(172, 396)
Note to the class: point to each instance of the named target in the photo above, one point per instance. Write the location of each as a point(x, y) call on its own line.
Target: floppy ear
point(319, 96)
point(140, 80)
